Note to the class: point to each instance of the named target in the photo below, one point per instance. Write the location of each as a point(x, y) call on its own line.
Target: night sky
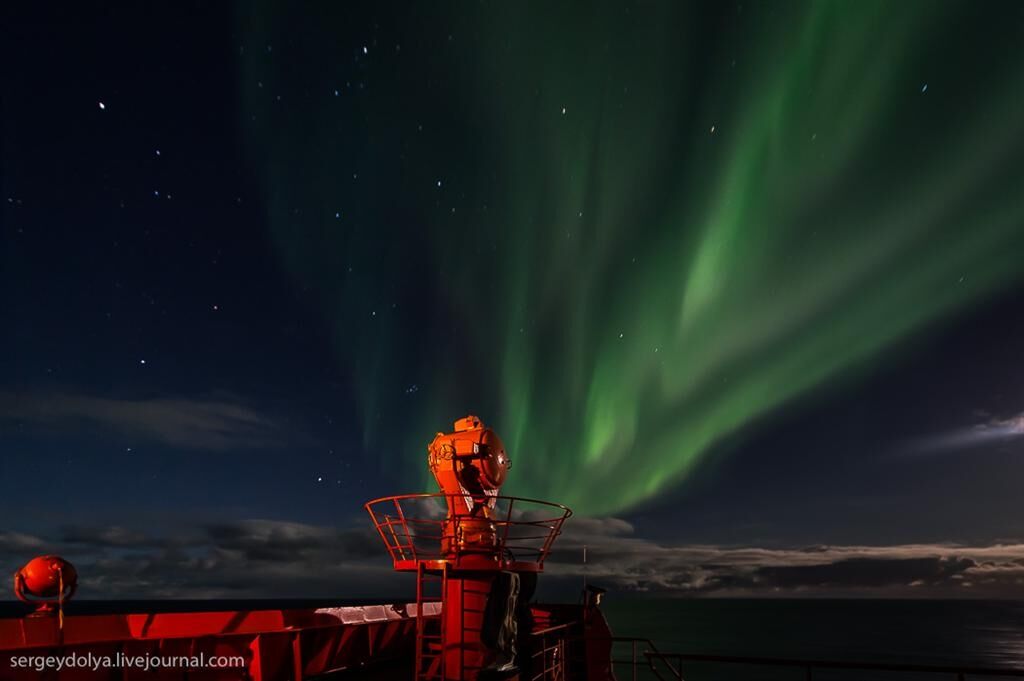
point(742, 284)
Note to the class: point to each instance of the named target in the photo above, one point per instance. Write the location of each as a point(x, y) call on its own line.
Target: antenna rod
point(584, 570)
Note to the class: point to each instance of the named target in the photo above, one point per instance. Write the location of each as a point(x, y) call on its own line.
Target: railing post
point(297, 666)
point(634, 660)
point(808, 675)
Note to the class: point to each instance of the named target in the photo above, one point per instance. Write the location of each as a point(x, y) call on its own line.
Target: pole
point(584, 572)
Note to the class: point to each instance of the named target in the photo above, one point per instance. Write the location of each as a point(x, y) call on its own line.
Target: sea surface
point(960, 633)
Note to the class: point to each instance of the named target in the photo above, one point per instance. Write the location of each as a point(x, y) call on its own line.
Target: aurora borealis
point(740, 283)
point(622, 236)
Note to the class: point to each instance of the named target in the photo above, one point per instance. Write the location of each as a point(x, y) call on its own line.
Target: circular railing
point(513, 533)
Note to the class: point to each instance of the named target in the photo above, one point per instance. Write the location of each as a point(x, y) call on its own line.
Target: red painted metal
point(414, 530)
point(423, 534)
point(270, 644)
point(285, 644)
point(46, 582)
point(469, 464)
point(467, 533)
point(457, 542)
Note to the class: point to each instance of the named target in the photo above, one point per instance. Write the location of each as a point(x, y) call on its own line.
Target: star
point(142, 361)
point(563, 110)
point(102, 105)
point(924, 88)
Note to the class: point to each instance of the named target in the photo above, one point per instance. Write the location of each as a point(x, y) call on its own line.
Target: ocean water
point(961, 633)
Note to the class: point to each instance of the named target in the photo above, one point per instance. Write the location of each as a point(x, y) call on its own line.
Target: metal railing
point(417, 528)
point(548, 660)
point(646, 657)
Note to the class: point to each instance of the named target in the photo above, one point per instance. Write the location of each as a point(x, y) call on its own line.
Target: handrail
point(808, 665)
point(516, 532)
point(556, 627)
point(428, 495)
point(959, 671)
point(649, 655)
point(550, 658)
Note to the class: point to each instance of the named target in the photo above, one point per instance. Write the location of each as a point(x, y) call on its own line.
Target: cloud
point(212, 423)
point(240, 559)
point(992, 431)
point(260, 558)
point(266, 540)
point(111, 536)
point(624, 561)
point(11, 542)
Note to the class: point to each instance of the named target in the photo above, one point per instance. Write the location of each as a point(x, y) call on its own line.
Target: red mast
point(476, 547)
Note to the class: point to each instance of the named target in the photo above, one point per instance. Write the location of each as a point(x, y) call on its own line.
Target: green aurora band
point(736, 207)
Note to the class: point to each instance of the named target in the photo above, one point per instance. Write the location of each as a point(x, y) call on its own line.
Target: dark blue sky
point(181, 378)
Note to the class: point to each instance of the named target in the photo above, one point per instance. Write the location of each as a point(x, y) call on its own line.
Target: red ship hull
point(375, 641)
